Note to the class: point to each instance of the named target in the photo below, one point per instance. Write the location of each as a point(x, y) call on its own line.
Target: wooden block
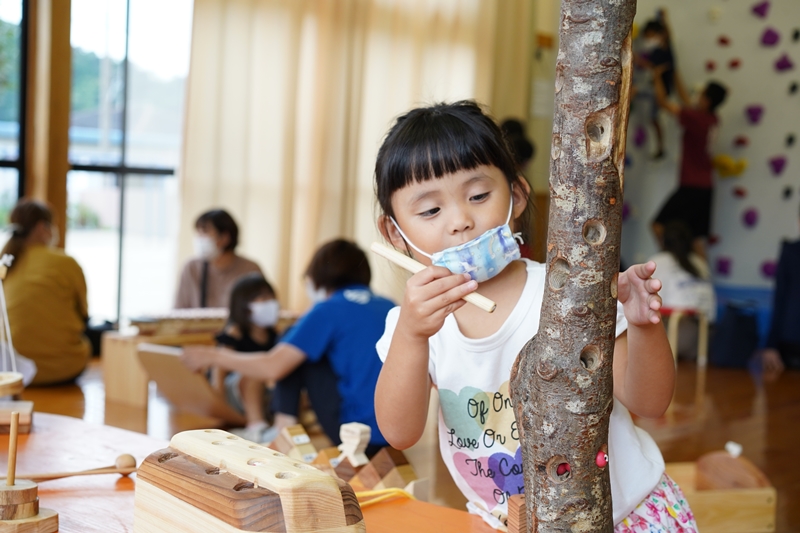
point(44, 522)
point(23, 491)
point(738, 510)
point(517, 522)
point(420, 489)
point(355, 439)
point(398, 477)
point(184, 496)
point(366, 479)
point(345, 470)
point(327, 457)
point(25, 410)
point(720, 470)
point(295, 442)
point(18, 511)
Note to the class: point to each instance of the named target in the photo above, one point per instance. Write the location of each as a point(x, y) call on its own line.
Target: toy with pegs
point(210, 480)
point(295, 442)
point(19, 498)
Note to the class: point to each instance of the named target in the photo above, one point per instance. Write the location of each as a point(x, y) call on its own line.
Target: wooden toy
point(19, 498)
point(294, 442)
point(25, 410)
point(414, 266)
point(726, 494)
point(186, 390)
point(212, 481)
point(355, 439)
point(345, 469)
point(125, 465)
point(388, 469)
point(517, 517)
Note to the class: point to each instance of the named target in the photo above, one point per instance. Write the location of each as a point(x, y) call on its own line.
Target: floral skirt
point(665, 510)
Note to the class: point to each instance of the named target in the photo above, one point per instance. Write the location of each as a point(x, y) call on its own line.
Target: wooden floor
point(726, 405)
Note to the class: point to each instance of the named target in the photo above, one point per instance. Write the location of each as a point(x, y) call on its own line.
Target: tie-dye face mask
point(483, 257)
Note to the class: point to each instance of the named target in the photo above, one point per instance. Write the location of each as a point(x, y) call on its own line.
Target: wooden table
point(104, 504)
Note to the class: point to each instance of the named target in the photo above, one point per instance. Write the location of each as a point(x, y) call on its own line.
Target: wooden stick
point(59, 475)
point(415, 266)
point(12, 450)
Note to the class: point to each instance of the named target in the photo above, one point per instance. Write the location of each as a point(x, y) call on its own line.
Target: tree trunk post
point(562, 382)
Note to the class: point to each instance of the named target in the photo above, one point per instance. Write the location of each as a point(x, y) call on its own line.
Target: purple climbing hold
point(777, 164)
point(769, 268)
point(750, 218)
point(724, 266)
point(770, 37)
point(761, 9)
point(784, 63)
point(626, 211)
point(640, 137)
point(754, 113)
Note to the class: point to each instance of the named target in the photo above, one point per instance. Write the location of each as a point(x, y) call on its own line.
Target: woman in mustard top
point(46, 296)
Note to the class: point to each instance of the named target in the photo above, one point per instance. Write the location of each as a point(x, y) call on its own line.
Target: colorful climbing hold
point(787, 192)
point(770, 37)
point(640, 137)
point(724, 40)
point(793, 88)
point(741, 141)
point(784, 63)
point(734, 63)
point(626, 211)
point(724, 266)
point(562, 469)
point(740, 192)
point(796, 35)
point(728, 167)
point(761, 9)
point(713, 239)
point(754, 113)
point(750, 217)
point(777, 164)
point(711, 66)
point(790, 140)
point(769, 268)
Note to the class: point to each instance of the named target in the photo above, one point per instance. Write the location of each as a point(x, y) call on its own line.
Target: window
point(13, 51)
point(130, 59)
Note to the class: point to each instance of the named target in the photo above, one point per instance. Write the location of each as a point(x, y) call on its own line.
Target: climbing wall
point(753, 48)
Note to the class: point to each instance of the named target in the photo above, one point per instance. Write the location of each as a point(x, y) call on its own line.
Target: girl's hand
point(431, 295)
point(198, 358)
point(638, 294)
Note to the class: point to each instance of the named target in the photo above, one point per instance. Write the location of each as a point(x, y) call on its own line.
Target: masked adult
point(46, 297)
point(208, 278)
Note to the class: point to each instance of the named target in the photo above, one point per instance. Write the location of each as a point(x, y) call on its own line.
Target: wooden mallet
point(125, 464)
point(415, 266)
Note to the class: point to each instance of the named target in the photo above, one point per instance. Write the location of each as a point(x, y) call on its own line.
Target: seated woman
point(207, 280)
point(250, 328)
point(330, 351)
point(686, 282)
point(46, 296)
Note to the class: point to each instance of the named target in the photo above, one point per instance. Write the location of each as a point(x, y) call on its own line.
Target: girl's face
point(451, 210)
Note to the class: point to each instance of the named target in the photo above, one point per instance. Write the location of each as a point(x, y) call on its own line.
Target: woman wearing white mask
point(251, 325)
point(46, 295)
point(207, 279)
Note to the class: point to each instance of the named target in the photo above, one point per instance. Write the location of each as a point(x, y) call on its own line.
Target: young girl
point(445, 177)
point(251, 328)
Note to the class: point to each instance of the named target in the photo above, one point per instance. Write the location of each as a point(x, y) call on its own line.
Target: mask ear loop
point(517, 235)
point(397, 226)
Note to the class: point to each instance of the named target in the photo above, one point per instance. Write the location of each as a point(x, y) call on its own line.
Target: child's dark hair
point(653, 26)
point(222, 222)
point(716, 94)
point(429, 142)
point(678, 242)
point(339, 264)
point(245, 290)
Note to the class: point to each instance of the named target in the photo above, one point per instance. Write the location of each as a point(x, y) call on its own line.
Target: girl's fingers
point(430, 274)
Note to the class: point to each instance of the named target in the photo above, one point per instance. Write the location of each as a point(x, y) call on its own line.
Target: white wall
point(648, 183)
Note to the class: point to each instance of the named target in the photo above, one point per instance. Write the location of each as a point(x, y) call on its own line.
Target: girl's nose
point(462, 221)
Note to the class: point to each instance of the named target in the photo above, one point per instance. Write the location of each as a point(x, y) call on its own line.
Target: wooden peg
point(12, 450)
point(414, 266)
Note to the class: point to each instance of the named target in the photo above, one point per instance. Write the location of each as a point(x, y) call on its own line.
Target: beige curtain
point(288, 101)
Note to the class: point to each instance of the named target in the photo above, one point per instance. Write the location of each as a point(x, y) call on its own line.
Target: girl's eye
point(479, 197)
point(429, 212)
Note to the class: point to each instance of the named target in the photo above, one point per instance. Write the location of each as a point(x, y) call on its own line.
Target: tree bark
point(562, 382)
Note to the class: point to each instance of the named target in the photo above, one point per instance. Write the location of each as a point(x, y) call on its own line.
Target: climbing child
point(450, 195)
point(251, 328)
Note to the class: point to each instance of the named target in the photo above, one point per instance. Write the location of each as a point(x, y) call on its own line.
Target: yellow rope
point(375, 496)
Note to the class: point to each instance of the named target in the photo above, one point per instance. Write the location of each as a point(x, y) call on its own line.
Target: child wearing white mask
point(207, 278)
point(254, 312)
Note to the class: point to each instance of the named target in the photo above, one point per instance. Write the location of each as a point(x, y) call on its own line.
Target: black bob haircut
point(245, 290)
point(716, 94)
point(429, 142)
point(339, 264)
point(222, 222)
